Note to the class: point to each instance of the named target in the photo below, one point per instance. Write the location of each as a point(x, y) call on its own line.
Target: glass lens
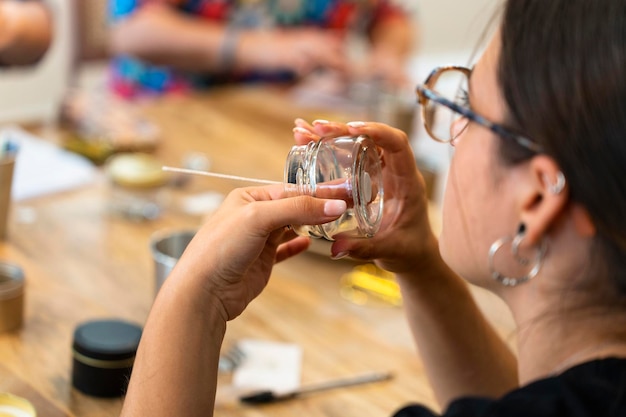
point(441, 121)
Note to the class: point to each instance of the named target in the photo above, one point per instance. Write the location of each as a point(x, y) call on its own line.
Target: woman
point(532, 211)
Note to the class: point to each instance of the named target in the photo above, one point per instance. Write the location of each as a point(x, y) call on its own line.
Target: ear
point(545, 201)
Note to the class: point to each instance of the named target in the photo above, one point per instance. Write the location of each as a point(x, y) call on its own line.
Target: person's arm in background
point(160, 34)
point(25, 31)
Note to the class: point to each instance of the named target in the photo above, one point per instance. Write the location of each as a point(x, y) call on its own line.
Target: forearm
point(461, 352)
point(164, 36)
point(175, 372)
point(25, 32)
point(225, 266)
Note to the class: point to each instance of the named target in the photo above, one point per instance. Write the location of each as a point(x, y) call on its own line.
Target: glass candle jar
point(347, 168)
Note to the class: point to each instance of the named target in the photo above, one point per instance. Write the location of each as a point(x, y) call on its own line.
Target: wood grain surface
point(83, 261)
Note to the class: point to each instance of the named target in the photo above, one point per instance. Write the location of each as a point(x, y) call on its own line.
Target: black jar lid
point(106, 340)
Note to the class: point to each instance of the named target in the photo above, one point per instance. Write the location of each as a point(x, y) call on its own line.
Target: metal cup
point(11, 296)
point(166, 248)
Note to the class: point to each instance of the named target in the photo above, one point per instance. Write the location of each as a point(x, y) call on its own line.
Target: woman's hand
point(232, 255)
point(225, 266)
point(405, 238)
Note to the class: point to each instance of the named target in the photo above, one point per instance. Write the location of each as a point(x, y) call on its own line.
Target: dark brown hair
point(562, 71)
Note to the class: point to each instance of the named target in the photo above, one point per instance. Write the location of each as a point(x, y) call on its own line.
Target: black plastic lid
point(107, 339)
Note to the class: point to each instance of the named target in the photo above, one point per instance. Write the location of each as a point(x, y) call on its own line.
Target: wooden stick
point(217, 175)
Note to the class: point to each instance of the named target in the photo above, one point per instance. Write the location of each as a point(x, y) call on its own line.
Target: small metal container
point(11, 296)
point(103, 356)
point(166, 247)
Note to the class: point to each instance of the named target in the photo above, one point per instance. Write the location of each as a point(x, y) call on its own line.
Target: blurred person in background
point(178, 45)
point(25, 31)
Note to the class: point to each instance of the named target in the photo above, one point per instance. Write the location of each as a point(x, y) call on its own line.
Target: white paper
point(268, 366)
point(42, 167)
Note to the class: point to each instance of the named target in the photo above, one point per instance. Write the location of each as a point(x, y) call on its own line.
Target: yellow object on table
point(14, 406)
point(367, 284)
point(136, 170)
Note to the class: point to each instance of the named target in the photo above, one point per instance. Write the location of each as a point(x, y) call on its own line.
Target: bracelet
point(228, 49)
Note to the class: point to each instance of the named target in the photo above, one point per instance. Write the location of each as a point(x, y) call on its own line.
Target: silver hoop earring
point(515, 243)
point(559, 185)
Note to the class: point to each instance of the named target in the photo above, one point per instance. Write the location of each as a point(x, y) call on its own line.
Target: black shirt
point(592, 389)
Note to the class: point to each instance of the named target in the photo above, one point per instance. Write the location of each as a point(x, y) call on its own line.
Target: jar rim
point(366, 223)
point(162, 237)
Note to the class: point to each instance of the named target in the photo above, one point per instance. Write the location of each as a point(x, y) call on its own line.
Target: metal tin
point(166, 248)
point(103, 356)
point(11, 296)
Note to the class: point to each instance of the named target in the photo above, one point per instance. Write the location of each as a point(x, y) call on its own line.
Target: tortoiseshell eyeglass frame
point(425, 93)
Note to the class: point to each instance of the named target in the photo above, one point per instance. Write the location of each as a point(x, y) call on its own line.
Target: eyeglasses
point(445, 108)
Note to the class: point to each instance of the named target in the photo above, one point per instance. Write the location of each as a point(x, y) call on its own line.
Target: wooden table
point(82, 262)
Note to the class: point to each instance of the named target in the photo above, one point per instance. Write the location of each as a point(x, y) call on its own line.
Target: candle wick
point(218, 175)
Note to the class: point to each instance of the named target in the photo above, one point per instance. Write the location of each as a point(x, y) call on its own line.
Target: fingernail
point(301, 130)
point(320, 122)
point(299, 121)
point(339, 255)
point(356, 124)
point(335, 207)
